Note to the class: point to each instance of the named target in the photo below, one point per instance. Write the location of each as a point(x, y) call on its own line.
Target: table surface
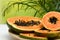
point(4, 34)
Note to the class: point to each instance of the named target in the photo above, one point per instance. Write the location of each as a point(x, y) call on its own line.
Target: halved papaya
point(24, 23)
point(32, 36)
point(51, 20)
point(48, 33)
point(28, 36)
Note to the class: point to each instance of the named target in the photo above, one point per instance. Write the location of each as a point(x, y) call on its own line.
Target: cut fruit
point(24, 23)
point(32, 36)
point(28, 36)
point(48, 33)
point(51, 20)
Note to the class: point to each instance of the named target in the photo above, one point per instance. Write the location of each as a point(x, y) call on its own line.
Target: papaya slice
point(51, 20)
point(48, 33)
point(28, 36)
point(24, 23)
point(32, 36)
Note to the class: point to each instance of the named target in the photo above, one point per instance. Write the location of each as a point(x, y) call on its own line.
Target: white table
point(4, 35)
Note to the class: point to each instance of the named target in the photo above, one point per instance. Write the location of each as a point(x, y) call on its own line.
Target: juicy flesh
point(26, 19)
point(50, 22)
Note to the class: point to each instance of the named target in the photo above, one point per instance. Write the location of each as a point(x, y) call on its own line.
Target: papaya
point(48, 33)
point(32, 36)
point(51, 20)
point(25, 23)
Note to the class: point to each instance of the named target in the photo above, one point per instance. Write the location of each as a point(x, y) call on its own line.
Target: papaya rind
point(16, 30)
point(12, 28)
point(51, 34)
point(28, 38)
point(24, 28)
point(31, 38)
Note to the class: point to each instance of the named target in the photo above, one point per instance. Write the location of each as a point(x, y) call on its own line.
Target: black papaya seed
point(28, 23)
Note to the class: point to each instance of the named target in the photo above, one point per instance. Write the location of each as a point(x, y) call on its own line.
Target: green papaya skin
point(48, 34)
point(17, 30)
point(22, 36)
point(32, 36)
point(26, 37)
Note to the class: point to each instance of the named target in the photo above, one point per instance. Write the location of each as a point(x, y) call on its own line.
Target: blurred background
point(35, 8)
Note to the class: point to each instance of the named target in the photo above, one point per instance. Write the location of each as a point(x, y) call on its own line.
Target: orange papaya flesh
point(16, 23)
point(51, 20)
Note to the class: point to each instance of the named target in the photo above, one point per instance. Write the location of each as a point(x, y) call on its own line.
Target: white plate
point(5, 35)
